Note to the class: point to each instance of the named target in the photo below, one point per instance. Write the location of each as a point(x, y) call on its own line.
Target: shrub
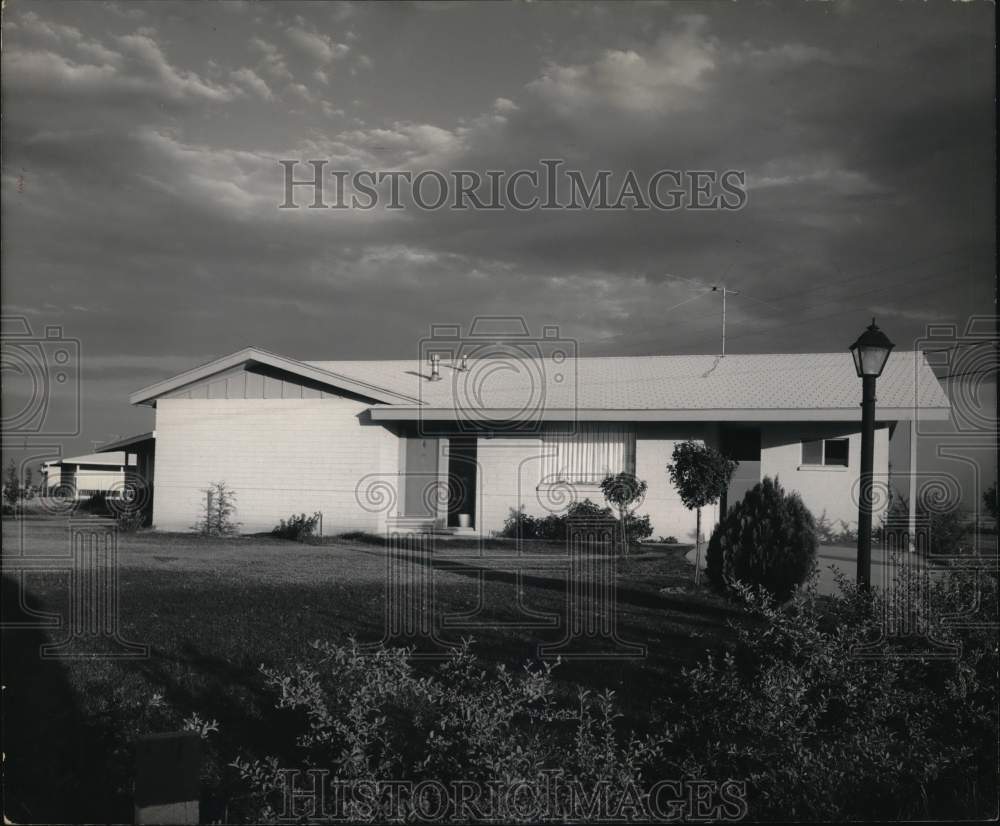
point(822, 732)
point(991, 503)
point(11, 486)
point(829, 535)
point(299, 528)
point(217, 514)
point(942, 523)
point(638, 528)
point(554, 527)
point(129, 519)
point(768, 539)
point(519, 524)
point(625, 492)
point(96, 504)
point(372, 716)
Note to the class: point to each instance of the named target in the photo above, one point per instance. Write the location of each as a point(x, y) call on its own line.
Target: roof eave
point(129, 441)
point(487, 416)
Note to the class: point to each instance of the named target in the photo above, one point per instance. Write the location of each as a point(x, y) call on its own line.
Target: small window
point(587, 453)
point(835, 452)
point(832, 452)
point(812, 452)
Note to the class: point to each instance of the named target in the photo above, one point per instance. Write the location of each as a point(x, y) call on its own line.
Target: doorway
point(462, 473)
point(743, 445)
point(420, 477)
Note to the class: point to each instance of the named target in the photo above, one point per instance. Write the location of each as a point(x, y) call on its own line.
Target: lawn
point(213, 610)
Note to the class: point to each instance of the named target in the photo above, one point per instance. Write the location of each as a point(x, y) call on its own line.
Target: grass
point(213, 610)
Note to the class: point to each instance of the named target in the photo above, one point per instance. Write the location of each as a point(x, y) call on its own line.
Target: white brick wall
point(654, 449)
point(822, 489)
point(510, 471)
point(284, 456)
point(280, 456)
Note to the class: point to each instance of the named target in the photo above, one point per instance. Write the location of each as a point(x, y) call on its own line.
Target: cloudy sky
point(141, 183)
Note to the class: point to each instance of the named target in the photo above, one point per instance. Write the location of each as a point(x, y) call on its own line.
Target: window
point(825, 452)
point(587, 453)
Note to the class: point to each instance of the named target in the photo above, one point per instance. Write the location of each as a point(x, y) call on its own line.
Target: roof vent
point(435, 367)
point(465, 362)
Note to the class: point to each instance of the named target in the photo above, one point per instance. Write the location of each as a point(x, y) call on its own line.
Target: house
point(457, 441)
point(80, 477)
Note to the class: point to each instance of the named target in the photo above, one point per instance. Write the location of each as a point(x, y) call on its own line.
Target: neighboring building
point(79, 477)
point(381, 444)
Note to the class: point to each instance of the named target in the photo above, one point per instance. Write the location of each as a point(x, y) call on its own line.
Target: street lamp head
point(871, 351)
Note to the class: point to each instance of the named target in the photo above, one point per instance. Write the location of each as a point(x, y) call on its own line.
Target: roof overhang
point(255, 355)
point(128, 442)
point(485, 416)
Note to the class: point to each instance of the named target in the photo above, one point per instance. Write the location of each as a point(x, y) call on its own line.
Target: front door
point(420, 469)
point(742, 444)
point(462, 468)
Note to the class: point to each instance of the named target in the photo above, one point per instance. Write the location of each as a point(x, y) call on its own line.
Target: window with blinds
point(586, 453)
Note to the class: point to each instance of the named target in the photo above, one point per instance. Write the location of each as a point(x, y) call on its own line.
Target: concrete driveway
point(837, 557)
point(844, 559)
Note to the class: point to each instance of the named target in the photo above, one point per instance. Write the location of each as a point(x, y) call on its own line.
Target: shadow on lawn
point(697, 607)
point(55, 768)
point(233, 694)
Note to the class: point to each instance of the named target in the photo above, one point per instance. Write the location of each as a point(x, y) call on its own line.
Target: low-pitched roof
point(739, 386)
point(680, 385)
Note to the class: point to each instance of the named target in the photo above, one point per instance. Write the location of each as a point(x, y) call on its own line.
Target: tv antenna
point(724, 290)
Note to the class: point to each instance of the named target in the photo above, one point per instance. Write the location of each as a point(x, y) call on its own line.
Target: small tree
point(990, 501)
point(220, 505)
point(11, 485)
point(700, 473)
point(624, 492)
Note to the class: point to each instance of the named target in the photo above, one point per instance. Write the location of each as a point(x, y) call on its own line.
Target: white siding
point(280, 456)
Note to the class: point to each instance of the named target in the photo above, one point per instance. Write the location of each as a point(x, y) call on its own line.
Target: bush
point(553, 527)
point(768, 539)
point(943, 524)
point(129, 519)
point(824, 732)
point(519, 524)
point(638, 528)
point(217, 512)
point(299, 528)
point(829, 535)
point(373, 717)
point(97, 504)
point(625, 492)
point(991, 504)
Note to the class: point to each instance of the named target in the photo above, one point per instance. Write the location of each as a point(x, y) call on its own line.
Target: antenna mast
point(724, 290)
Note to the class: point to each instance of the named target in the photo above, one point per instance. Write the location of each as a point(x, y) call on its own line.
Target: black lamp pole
point(867, 471)
point(870, 352)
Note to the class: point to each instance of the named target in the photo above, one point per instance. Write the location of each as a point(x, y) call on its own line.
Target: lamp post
point(870, 352)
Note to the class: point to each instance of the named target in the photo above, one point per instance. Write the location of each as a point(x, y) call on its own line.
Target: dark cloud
point(141, 180)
